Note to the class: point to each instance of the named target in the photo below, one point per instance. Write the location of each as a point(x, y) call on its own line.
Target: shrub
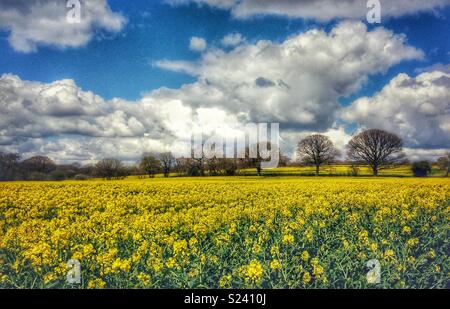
point(38, 176)
point(81, 177)
point(57, 175)
point(421, 168)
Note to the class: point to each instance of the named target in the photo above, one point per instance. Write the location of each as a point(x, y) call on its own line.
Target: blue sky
point(120, 65)
point(130, 53)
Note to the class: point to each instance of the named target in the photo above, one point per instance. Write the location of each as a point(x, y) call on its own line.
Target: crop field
point(217, 232)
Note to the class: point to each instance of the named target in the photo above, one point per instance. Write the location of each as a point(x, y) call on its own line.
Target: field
point(217, 232)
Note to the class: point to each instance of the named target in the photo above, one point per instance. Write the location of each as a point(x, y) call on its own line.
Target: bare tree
point(40, 164)
point(377, 148)
point(9, 165)
point(197, 163)
point(150, 165)
point(110, 168)
point(229, 166)
point(167, 161)
point(181, 166)
point(316, 149)
point(256, 162)
point(444, 164)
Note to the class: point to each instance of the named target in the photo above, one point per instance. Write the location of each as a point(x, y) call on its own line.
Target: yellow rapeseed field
point(226, 232)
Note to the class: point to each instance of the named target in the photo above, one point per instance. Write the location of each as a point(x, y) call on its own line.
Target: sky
point(140, 76)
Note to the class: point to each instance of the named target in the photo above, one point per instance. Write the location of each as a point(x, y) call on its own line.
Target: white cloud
point(232, 39)
point(323, 10)
point(297, 83)
point(416, 108)
point(31, 23)
point(197, 44)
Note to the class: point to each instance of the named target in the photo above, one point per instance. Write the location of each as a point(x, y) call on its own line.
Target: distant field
point(327, 170)
point(219, 232)
point(340, 170)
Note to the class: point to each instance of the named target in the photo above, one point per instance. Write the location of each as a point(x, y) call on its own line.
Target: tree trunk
point(375, 170)
point(317, 170)
point(258, 170)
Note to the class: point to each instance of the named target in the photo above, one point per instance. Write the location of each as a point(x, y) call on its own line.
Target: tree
point(9, 165)
point(39, 164)
point(377, 148)
point(421, 168)
point(444, 164)
point(229, 166)
point(197, 163)
point(256, 162)
point(316, 149)
point(181, 166)
point(57, 175)
point(167, 161)
point(110, 168)
point(150, 165)
point(213, 165)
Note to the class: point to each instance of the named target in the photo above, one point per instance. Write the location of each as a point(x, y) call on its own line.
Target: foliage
point(421, 168)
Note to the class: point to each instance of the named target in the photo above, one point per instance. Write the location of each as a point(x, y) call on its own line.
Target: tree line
point(375, 148)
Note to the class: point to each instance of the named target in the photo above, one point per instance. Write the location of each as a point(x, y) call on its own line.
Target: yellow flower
point(305, 256)
point(306, 278)
point(288, 239)
point(144, 278)
point(202, 259)
point(406, 230)
point(373, 247)
point(309, 235)
point(225, 281)
point(389, 254)
point(431, 254)
point(49, 277)
point(363, 236)
point(121, 264)
point(170, 262)
point(275, 265)
point(254, 272)
point(345, 244)
point(193, 273)
point(274, 250)
point(412, 242)
point(155, 264)
point(179, 247)
point(193, 242)
point(96, 284)
point(411, 259)
point(318, 270)
point(256, 248)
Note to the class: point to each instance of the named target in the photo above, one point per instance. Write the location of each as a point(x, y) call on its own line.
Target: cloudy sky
point(139, 76)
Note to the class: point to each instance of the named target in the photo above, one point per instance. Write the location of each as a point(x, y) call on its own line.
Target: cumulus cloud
point(31, 23)
point(232, 39)
point(416, 108)
point(322, 10)
point(297, 83)
point(197, 44)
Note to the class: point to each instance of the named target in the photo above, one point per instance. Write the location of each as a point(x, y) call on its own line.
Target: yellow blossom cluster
point(223, 232)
